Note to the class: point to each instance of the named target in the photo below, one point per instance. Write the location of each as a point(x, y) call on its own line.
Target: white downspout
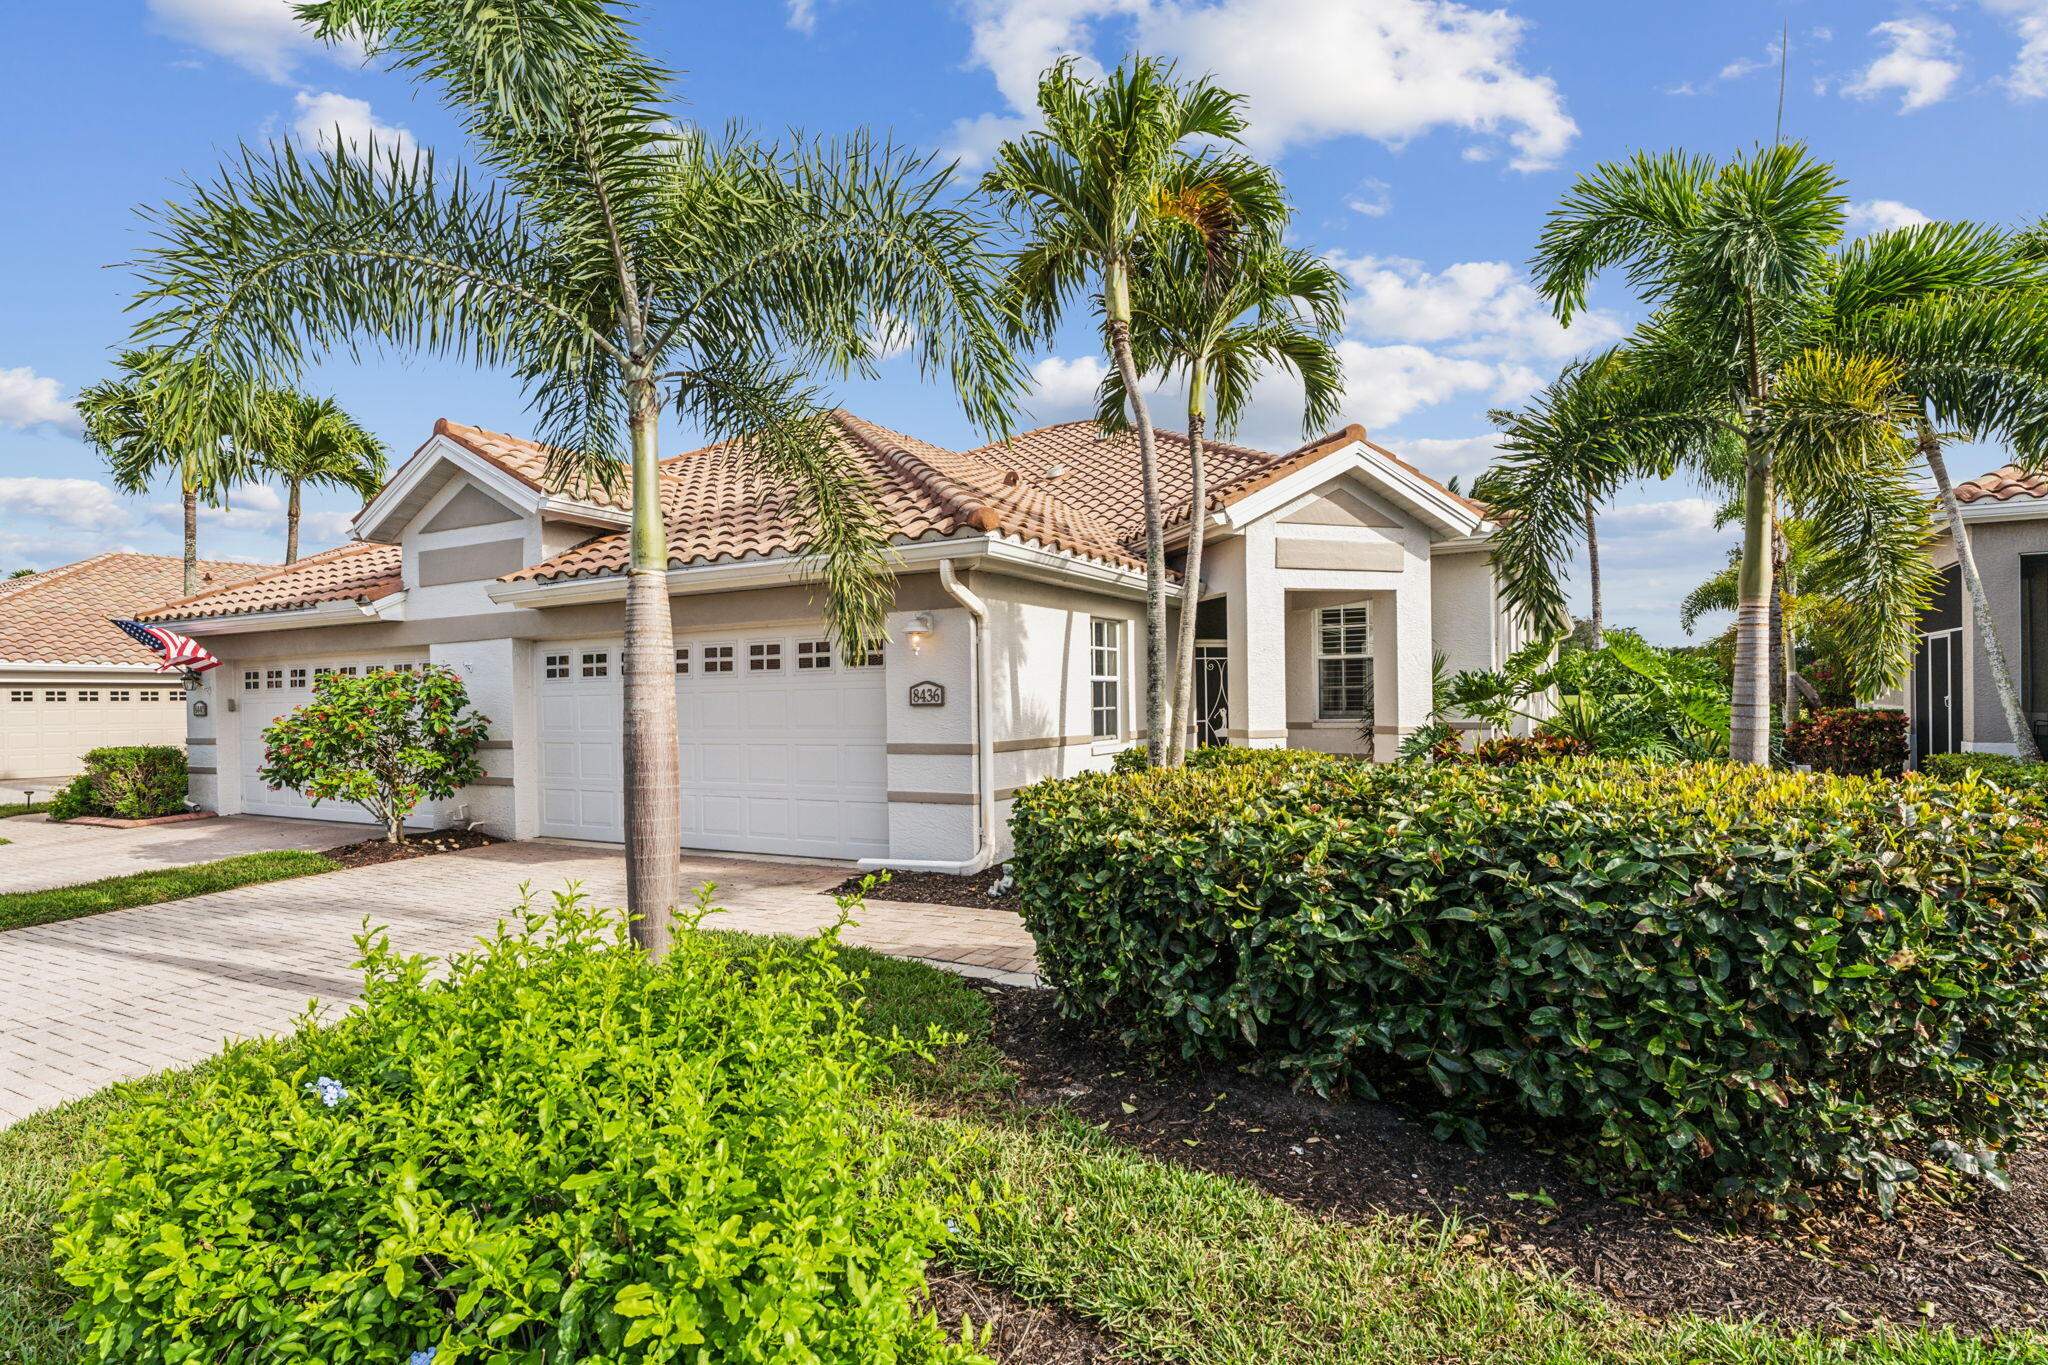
point(984, 744)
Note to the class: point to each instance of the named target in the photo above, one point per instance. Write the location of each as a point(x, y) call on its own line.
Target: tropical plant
point(302, 440)
point(1216, 321)
point(168, 413)
point(621, 265)
point(1738, 260)
point(385, 740)
point(1627, 699)
point(1089, 192)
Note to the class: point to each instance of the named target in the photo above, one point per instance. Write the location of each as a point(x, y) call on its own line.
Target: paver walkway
point(40, 855)
point(87, 1002)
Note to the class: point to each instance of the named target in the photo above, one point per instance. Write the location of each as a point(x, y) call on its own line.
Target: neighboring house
point(1332, 576)
point(1949, 697)
point(69, 681)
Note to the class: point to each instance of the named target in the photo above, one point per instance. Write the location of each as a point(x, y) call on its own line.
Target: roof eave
point(343, 611)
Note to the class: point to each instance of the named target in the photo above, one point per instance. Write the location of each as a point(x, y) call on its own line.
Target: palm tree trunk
point(291, 524)
point(191, 494)
point(1749, 733)
point(652, 779)
point(1599, 622)
point(1118, 311)
point(1986, 629)
point(1191, 574)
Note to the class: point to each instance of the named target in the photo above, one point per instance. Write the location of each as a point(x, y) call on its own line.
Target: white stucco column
point(1256, 611)
point(1400, 664)
point(498, 676)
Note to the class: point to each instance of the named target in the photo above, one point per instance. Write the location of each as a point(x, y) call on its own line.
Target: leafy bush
point(1627, 699)
point(138, 781)
point(1708, 977)
point(1132, 760)
point(75, 798)
point(2013, 774)
point(1852, 741)
point(562, 1151)
point(386, 740)
point(1539, 748)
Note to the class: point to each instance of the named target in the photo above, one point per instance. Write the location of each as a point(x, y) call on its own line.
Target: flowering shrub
point(386, 740)
point(1852, 741)
point(560, 1151)
point(75, 798)
point(1700, 977)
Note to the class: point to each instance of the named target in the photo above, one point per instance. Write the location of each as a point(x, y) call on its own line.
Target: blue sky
point(1422, 142)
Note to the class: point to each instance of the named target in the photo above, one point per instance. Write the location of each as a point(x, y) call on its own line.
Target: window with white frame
point(554, 666)
point(764, 656)
point(21, 694)
point(176, 694)
point(89, 695)
point(863, 656)
point(253, 681)
point(298, 678)
point(56, 696)
point(273, 677)
point(718, 658)
point(1343, 662)
point(813, 654)
point(597, 663)
point(117, 696)
point(1106, 677)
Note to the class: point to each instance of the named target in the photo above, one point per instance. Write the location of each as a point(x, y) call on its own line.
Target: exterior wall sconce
point(918, 627)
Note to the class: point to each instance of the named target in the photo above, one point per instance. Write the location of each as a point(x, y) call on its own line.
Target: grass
point(19, 909)
point(1183, 1265)
point(21, 808)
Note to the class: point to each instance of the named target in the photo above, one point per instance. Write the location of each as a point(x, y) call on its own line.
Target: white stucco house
point(1332, 576)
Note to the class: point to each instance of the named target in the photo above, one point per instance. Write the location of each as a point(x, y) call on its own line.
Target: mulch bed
point(1978, 1265)
point(1025, 1333)
point(372, 851)
point(936, 888)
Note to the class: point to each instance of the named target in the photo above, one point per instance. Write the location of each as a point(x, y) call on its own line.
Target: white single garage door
point(46, 728)
point(781, 744)
point(266, 692)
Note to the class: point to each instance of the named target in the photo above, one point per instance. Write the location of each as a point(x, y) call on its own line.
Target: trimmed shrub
point(2015, 775)
point(138, 781)
point(1700, 977)
point(75, 798)
point(1853, 741)
point(561, 1151)
point(1502, 750)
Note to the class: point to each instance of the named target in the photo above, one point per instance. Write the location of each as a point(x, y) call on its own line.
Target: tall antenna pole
point(1784, 60)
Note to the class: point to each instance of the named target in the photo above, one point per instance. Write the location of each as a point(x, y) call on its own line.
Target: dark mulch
point(936, 888)
point(373, 851)
point(1025, 1333)
point(1979, 1264)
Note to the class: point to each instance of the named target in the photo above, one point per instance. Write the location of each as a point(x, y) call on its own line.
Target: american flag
point(179, 651)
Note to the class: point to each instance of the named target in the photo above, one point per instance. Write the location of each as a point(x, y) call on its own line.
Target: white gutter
point(984, 746)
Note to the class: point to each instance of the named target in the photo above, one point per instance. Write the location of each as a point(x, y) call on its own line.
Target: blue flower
point(425, 1357)
point(330, 1091)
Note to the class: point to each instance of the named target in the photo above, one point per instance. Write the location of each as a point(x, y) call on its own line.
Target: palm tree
point(1108, 169)
point(620, 264)
point(164, 414)
point(1216, 323)
point(302, 440)
point(1736, 258)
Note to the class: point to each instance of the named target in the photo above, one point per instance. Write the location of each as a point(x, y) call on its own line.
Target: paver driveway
point(87, 1002)
point(40, 855)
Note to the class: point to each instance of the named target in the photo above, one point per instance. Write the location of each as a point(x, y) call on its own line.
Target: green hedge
point(132, 781)
point(2024, 779)
point(561, 1152)
point(1705, 977)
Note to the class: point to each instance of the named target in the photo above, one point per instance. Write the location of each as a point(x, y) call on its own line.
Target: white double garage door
point(782, 744)
point(265, 692)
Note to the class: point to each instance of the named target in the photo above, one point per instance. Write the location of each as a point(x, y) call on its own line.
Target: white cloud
point(1476, 308)
point(2028, 78)
point(1383, 384)
point(1675, 514)
point(326, 116)
point(1881, 215)
point(28, 399)
point(1063, 390)
point(803, 15)
point(1371, 198)
point(1390, 71)
point(1446, 458)
point(85, 504)
point(264, 36)
point(1921, 64)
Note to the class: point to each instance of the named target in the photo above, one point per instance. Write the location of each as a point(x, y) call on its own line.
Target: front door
point(1937, 681)
point(1212, 692)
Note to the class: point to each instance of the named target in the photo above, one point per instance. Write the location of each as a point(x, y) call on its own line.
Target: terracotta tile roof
point(2003, 485)
point(721, 506)
point(59, 616)
point(363, 570)
point(529, 463)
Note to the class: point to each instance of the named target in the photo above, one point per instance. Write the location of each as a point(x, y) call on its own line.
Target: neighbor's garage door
point(46, 728)
point(266, 692)
point(781, 745)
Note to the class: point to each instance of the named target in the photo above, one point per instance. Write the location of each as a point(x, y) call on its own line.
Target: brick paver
point(40, 855)
point(90, 1001)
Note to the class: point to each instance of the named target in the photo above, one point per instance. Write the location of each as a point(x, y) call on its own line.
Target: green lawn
point(1185, 1266)
point(21, 808)
point(19, 909)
